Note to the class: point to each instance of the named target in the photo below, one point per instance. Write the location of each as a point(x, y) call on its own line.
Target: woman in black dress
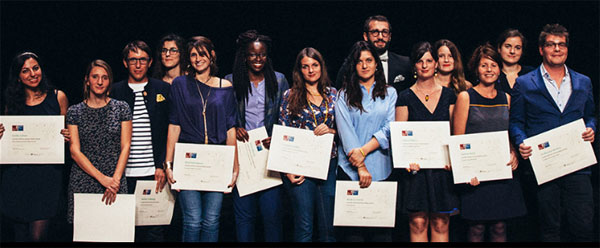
point(485, 109)
point(428, 196)
point(511, 44)
point(31, 194)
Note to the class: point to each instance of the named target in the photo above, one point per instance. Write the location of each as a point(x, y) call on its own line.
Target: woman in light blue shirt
point(365, 107)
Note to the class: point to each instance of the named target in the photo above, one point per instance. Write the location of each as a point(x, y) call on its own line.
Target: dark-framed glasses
point(560, 45)
point(376, 33)
point(133, 61)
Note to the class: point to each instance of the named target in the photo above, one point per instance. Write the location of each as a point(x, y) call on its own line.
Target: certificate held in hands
point(203, 167)
point(94, 221)
point(300, 151)
point(32, 140)
point(560, 151)
point(481, 155)
point(421, 142)
point(252, 156)
point(152, 208)
point(374, 206)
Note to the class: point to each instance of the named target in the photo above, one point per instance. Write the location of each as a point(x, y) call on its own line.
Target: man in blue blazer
point(546, 98)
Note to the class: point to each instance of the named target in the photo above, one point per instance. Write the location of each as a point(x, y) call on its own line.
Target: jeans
point(571, 196)
point(146, 233)
point(201, 212)
point(313, 197)
point(245, 210)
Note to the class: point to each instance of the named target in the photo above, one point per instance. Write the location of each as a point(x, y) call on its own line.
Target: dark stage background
point(68, 35)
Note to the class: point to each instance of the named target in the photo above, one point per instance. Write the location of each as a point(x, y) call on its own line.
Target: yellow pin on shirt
point(159, 98)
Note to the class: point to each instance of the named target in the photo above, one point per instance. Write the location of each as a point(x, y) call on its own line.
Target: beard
point(382, 50)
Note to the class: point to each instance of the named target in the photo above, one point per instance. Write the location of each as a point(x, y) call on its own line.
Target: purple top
point(186, 111)
point(255, 107)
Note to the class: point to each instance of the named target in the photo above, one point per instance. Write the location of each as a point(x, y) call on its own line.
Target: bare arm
point(461, 114)
point(231, 141)
point(172, 138)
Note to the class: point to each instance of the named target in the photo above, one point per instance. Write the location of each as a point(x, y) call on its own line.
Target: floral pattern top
point(306, 118)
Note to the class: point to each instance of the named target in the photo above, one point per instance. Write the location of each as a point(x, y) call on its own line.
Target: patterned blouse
point(306, 118)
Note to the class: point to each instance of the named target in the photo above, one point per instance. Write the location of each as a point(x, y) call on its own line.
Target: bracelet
point(362, 152)
point(168, 165)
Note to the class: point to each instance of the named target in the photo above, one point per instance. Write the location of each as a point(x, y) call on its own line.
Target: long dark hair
point(15, 91)
point(351, 85)
point(297, 95)
point(200, 42)
point(241, 80)
point(158, 69)
point(457, 78)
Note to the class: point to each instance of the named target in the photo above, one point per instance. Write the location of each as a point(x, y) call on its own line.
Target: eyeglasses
point(254, 55)
point(560, 45)
point(133, 61)
point(172, 50)
point(376, 33)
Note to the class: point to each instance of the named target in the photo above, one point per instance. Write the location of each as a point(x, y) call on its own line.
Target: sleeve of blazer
point(588, 114)
point(517, 114)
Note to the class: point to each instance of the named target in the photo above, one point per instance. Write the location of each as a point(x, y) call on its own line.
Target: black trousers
point(566, 200)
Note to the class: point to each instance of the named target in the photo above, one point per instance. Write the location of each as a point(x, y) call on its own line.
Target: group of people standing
point(126, 131)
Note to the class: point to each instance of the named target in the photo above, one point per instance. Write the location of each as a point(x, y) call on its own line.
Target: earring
point(435, 73)
point(415, 76)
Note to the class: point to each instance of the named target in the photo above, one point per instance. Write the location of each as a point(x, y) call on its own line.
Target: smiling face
point(98, 81)
point(488, 71)
point(311, 70)
point(425, 66)
point(378, 35)
point(31, 73)
point(256, 56)
point(445, 60)
point(366, 66)
point(200, 60)
point(554, 51)
point(137, 63)
point(170, 54)
point(511, 50)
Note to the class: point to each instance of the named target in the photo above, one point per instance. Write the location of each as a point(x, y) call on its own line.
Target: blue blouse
point(306, 119)
point(356, 129)
point(186, 110)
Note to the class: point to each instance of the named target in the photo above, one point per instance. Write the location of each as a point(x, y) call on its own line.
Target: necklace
point(204, 108)
point(312, 111)
point(426, 95)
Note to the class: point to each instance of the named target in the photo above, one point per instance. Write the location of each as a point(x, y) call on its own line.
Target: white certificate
point(203, 167)
point(300, 151)
point(32, 140)
point(481, 155)
point(94, 221)
point(560, 151)
point(252, 157)
point(374, 206)
point(153, 208)
point(421, 142)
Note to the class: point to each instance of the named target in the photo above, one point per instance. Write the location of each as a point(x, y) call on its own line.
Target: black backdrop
point(68, 35)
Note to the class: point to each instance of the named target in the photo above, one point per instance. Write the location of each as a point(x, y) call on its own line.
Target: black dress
point(503, 81)
point(430, 190)
point(33, 192)
point(491, 200)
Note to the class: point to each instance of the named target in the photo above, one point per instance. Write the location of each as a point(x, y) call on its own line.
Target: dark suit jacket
point(533, 111)
point(157, 110)
point(399, 72)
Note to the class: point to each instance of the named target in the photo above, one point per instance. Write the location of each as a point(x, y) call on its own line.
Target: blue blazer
point(533, 111)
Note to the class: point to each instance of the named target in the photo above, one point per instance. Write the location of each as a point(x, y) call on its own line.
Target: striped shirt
point(141, 160)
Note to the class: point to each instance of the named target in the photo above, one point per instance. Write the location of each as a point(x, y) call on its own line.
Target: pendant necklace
point(312, 111)
point(204, 107)
point(426, 95)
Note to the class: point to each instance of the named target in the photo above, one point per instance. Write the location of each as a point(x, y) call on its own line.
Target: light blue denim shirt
point(356, 129)
point(255, 107)
point(559, 95)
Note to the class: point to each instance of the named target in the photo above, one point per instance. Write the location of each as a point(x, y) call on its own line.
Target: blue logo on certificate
point(407, 133)
point(146, 192)
point(352, 192)
point(544, 145)
point(190, 155)
point(465, 146)
point(288, 138)
point(17, 128)
point(259, 146)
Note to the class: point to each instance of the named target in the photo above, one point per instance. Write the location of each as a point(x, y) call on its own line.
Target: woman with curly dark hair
point(364, 109)
point(31, 194)
point(259, 90)
point(170, 62)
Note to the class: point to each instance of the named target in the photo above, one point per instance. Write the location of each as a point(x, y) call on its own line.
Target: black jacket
point(158, 110)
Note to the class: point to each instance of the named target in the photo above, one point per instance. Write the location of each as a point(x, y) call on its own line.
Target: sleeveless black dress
point(491, 200)
point(33, 192)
